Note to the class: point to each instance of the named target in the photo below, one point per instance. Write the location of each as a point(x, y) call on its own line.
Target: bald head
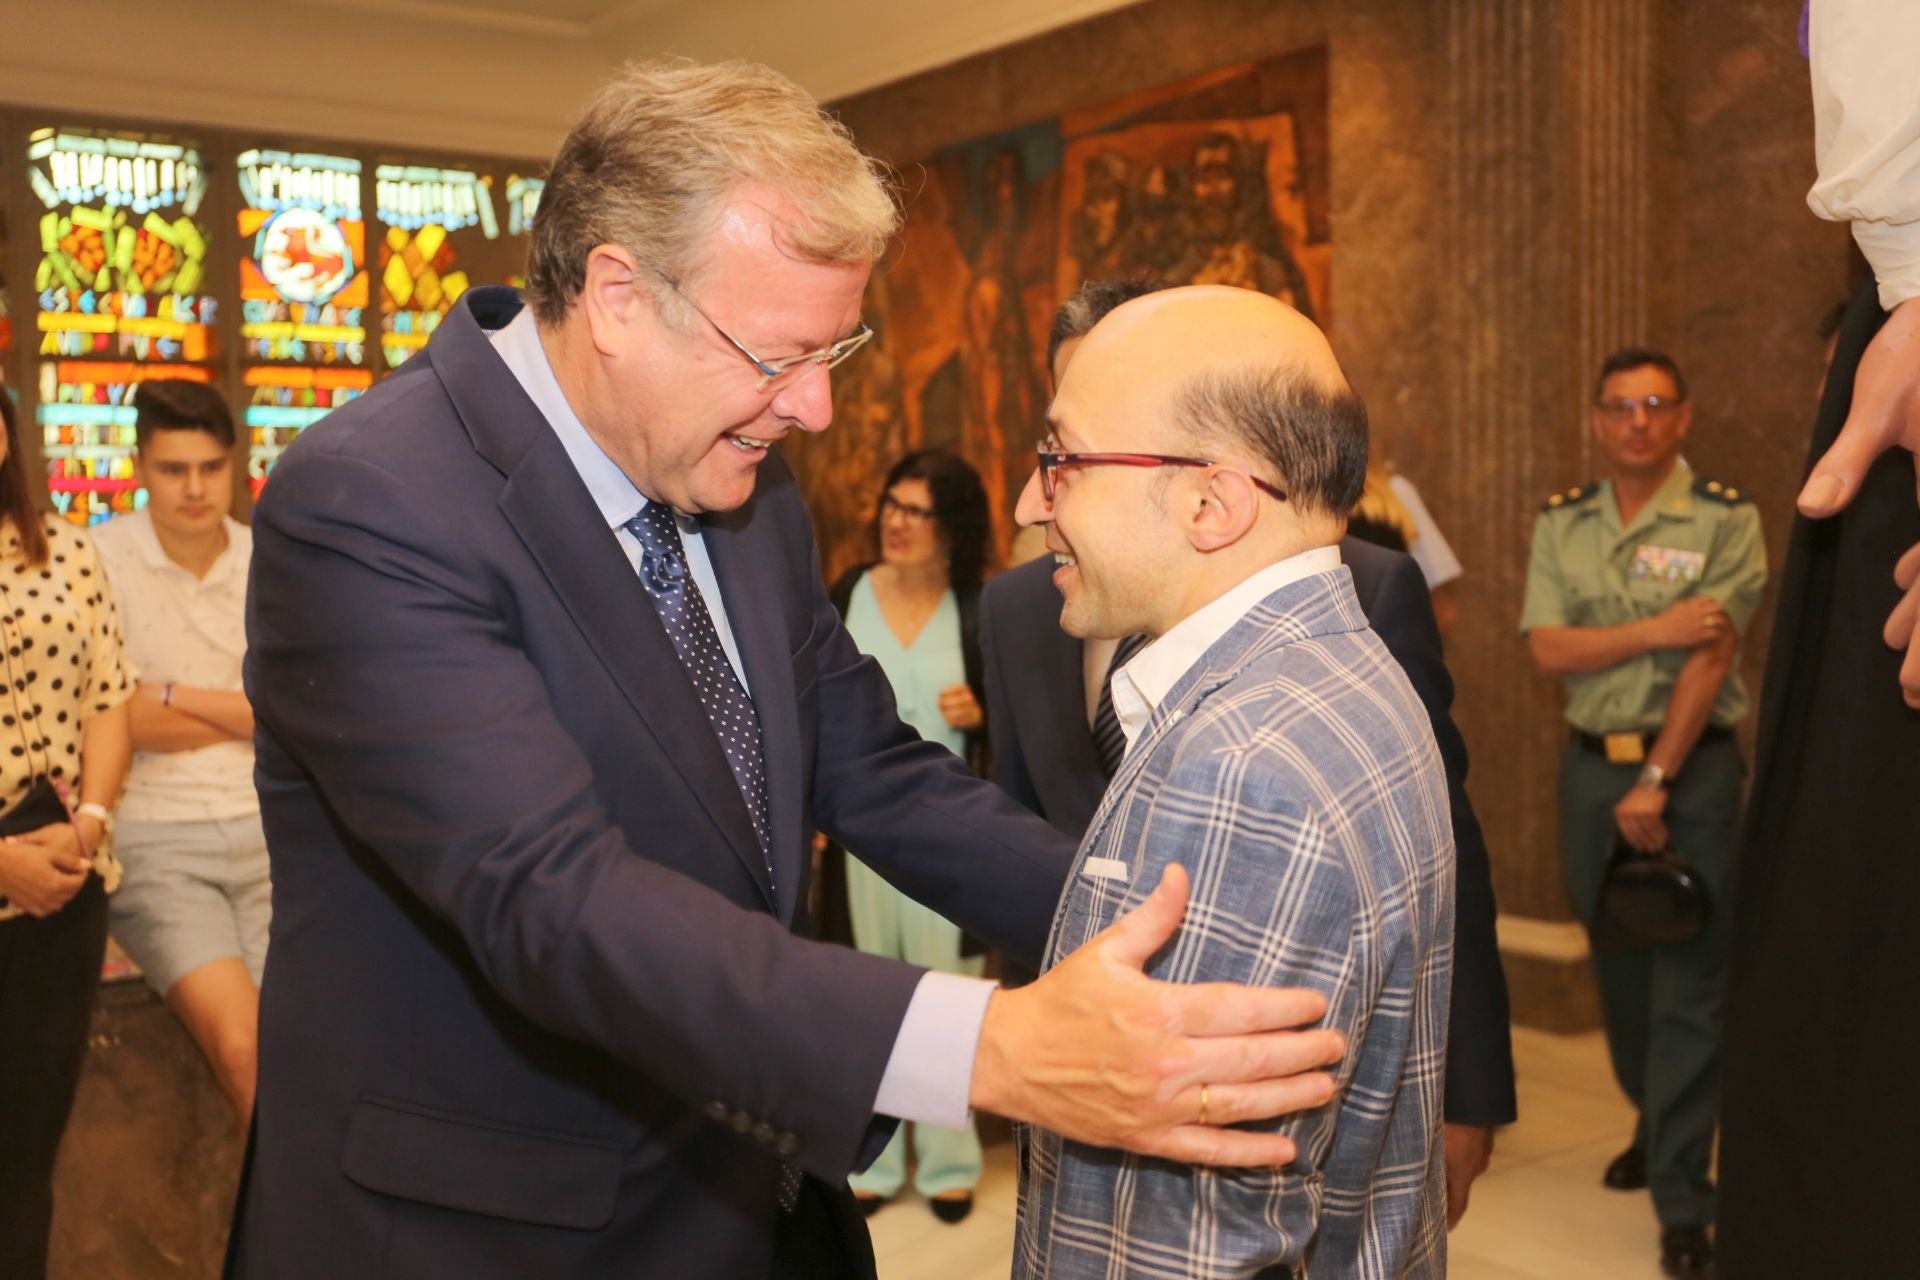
point(1228, 374)
point(1161, 337)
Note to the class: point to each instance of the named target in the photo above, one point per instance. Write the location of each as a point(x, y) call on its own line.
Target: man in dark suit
point(1046, 738)
point(550, 696)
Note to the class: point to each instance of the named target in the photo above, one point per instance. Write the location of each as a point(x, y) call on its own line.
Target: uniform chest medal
point(1668, 565)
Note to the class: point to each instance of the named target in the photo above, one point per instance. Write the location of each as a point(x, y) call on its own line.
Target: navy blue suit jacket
point(1043, 755)
point(534, 1007)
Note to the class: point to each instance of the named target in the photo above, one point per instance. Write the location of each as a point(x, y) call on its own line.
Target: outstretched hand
point(1100, 1053)
point(1885, 414)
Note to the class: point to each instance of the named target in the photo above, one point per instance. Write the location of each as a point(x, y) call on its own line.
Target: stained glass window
point(6, 311)
point(437, 220)
point(523, 200)
point(304, 294)
point(118, 292)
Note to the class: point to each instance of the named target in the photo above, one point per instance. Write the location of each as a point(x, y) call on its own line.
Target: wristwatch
point(1652, 775)
point(99, 813)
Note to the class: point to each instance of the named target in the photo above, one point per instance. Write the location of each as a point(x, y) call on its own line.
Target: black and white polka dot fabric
point(60, 665)
point(683, 611)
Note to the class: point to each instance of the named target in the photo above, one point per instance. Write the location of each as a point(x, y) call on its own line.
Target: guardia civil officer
point(1638, 591)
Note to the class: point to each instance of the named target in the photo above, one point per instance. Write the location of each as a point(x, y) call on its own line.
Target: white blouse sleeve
point(1865, 57)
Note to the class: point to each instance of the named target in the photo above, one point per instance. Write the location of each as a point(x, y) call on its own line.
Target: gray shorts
point(192, 893)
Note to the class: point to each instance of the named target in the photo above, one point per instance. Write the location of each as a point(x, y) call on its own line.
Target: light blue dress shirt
point(930, 1071)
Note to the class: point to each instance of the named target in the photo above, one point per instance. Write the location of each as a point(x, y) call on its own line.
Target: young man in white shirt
point(194, 907)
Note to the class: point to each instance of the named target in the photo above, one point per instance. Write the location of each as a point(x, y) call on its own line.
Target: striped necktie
point(1109, 739)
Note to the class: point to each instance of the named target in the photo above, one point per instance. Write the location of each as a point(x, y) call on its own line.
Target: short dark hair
point(1313, 438)
point(1089, 305)
point(1640, 358)
point(959, 510)
point(175, 405)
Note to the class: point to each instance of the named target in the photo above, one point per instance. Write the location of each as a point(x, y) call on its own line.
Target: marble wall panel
point(1518, 187)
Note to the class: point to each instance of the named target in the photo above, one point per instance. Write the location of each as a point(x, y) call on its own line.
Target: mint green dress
point(885, 921)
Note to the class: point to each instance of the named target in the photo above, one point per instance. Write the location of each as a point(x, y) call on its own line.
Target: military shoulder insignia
point(1718, 491)
point(1572, 497)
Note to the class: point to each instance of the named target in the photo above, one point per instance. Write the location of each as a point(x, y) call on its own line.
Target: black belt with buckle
point(1597, 742)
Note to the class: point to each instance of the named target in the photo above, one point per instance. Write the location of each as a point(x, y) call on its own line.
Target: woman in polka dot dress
point(63, 732)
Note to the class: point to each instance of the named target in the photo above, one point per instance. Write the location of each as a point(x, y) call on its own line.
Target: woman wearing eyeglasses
point(916, 612)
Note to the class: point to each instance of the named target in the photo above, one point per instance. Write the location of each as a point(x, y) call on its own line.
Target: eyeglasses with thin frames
point(1658, 407)
point(909, 511)
point(1053, 460)
point(787, 369)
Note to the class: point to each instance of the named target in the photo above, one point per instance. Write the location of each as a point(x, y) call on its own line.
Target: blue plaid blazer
point(1294, 773)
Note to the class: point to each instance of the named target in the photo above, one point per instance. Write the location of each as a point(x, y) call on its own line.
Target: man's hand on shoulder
point(1100, 1053)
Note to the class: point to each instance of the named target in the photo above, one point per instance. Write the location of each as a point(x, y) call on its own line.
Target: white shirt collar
point(1139, 686)
point(518, 345)
point(146, 541)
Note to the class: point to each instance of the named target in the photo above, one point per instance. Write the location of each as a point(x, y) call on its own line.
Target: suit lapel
point(1063, 745)
point(549, 507)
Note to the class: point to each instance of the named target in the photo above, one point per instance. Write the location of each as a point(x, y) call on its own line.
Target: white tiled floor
point(1539, 1213)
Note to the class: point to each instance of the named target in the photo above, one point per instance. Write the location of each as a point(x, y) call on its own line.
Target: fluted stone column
point(1548, 117)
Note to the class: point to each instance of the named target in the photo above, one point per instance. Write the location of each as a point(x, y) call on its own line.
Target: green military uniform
point(1662, 1006)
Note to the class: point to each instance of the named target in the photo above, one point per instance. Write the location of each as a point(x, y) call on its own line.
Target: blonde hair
point(659, 151)
point(1381, 505)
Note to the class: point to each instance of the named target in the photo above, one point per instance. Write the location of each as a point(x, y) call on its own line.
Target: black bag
point(1649, 900)
point(40, 807)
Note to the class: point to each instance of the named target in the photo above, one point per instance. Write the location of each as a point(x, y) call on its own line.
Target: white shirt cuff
point(930, 1073)
point(1893, 250)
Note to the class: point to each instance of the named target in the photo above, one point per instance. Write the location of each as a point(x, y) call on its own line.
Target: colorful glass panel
point(304, 293)
point(118, 299)
point(523, 201)
point(6, 306)
point(437, 222)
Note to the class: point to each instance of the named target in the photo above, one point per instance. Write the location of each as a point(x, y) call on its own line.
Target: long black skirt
point(1821, 1096)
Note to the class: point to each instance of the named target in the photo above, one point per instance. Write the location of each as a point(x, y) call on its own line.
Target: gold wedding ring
point(1203, 1106)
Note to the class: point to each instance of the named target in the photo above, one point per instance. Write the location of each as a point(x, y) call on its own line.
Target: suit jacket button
point(763, 1134)
point(741, 1122)
point(718, 1111)
point(787, 1145)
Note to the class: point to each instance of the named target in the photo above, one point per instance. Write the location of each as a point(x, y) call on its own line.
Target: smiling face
point(1116, 547)
point(188, 476)
point(1139, 548)
point(910, 534)
point(680, 409)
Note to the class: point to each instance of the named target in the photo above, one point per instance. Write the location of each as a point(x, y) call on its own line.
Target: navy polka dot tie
point(683, 611)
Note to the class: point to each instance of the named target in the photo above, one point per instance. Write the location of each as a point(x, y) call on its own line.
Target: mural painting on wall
point(1221, 179)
